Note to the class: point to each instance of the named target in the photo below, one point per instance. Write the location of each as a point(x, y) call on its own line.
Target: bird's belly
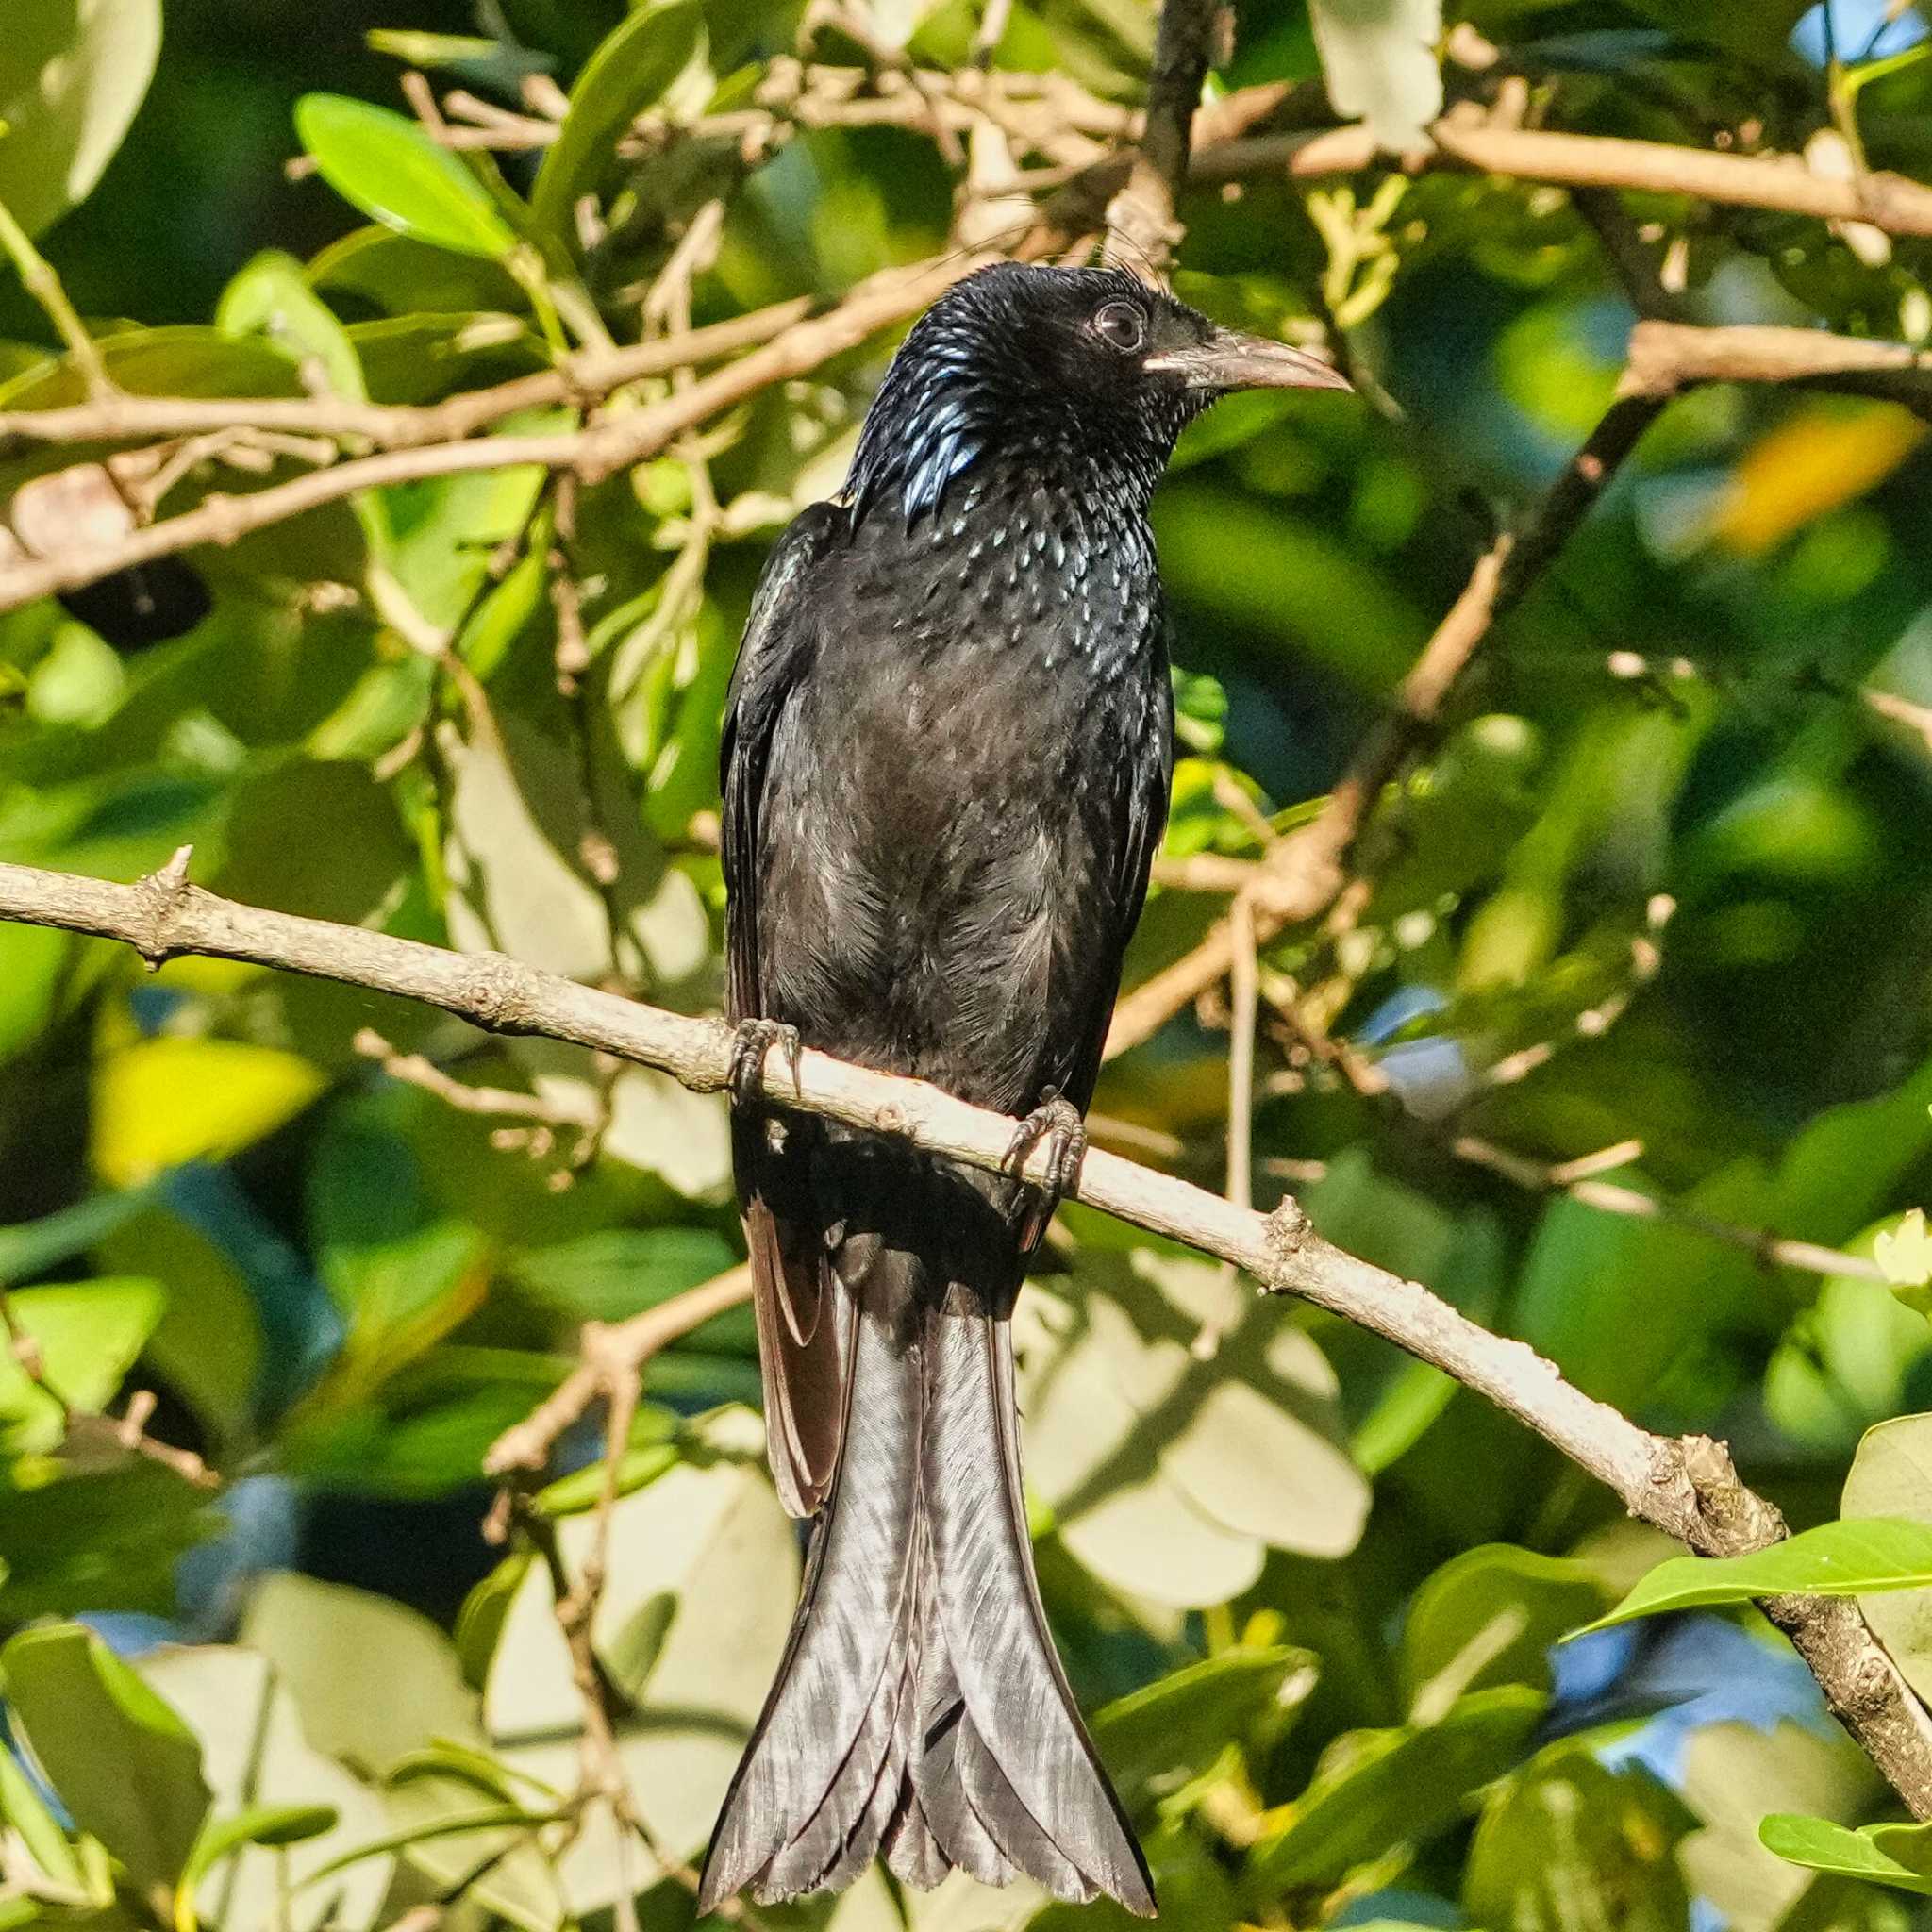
point(944, 897)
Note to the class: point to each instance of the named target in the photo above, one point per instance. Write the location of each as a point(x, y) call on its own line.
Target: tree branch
point(586, 376)
point(1780, 183)
point(1140, 223)
point(1687, 1486)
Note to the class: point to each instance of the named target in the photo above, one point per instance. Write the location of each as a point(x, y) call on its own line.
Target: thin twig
point(41, 280)
point(1764, 1244)
point(1245, 989)
point(610, 1351)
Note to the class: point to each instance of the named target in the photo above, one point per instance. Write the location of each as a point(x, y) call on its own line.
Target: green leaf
point(1892, 1475)
point(1490, 1616)
point(123, 1762)
point(1375, 1789)
point(616, 1272)
point(403, 1272)
point(386, 165)
point(409, 281)
point(271, 297)
point(628, 73)
point(583, 1489)
point(105, 1540)
point(1753, 30)
point(264, 1824)
point(476, 1769)
point(1895, 1854)
point(1568, 1829)
point(1182, 1721)
point(1171, 1474)
point(371, 1678)
point(493, 1818)
point(1847, 1558)
point(72, 74)
point(22, 1808)
point(89, 1334)
point(479, 1622)
point(304, 1811)
point(1904, 1252)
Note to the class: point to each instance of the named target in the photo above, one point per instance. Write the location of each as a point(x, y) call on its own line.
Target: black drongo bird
point(945, 770)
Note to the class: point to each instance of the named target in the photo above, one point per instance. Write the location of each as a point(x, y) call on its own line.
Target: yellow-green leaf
point(1849, 1558)
point(159, 1103)
point(72, 74)
point(628, 73)
point(388, 168)
point(88, 1334)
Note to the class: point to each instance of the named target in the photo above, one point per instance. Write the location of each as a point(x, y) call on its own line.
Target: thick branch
point(1687, 1486)
point(1666, 357)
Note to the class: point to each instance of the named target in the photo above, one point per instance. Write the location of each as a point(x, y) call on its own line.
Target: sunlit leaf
point(124, 1764)
point(390, 168)
point(628, 73)
point(1892, 1475)
point(87, 1334)
point(288, 1813)
point(161, 1101)
point(72, 74)
point(1847, 1558)
point(1895, 1854)
point(1379, 58)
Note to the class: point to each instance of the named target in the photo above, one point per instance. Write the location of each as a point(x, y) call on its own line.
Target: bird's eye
point(1122, 326)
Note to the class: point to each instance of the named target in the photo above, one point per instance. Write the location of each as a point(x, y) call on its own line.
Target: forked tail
point(920, 1713)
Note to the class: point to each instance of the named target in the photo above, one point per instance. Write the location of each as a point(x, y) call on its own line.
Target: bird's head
point(1086, 369)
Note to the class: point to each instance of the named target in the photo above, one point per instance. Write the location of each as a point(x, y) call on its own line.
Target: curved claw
point(1056, 1123)
point(752, 1040)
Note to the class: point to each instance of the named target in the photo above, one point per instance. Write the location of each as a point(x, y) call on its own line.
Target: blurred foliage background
point(1648, 919)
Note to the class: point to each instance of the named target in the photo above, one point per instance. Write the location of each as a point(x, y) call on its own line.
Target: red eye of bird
point(1121, 325)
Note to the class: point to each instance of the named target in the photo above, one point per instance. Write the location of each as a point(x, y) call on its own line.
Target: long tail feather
point(921, 1713)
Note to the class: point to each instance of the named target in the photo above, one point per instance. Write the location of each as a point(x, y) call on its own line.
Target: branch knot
point(496, 995)
point(1285, 1236)
point(158, 900)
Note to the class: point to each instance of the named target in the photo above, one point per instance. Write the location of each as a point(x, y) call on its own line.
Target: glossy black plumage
point(945, 771)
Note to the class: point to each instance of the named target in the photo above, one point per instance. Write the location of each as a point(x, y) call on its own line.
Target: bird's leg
point(1056, 1123)
point(751, 1040)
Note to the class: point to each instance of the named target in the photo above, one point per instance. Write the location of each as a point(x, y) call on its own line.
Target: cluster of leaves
point(1309, 1588)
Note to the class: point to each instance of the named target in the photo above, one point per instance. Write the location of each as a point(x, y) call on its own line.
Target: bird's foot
point(751, 1040)
point(1055, 1123)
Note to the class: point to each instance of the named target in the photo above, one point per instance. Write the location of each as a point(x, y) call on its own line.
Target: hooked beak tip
point(1230, 362)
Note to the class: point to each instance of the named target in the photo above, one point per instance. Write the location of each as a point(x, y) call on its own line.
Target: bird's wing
point(800, 1352)
point(1135, 818)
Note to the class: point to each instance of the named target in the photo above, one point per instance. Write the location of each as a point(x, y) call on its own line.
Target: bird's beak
point(1227, 361)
